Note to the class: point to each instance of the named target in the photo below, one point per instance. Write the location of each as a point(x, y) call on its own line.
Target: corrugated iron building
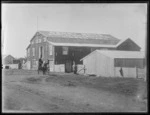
point(64, 48)
point(108, 63)
point(8, 59)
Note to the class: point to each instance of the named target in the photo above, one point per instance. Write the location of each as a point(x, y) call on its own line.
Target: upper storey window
point(36, 40)
point(65, 50)
point(40, 40)
point(45, 39)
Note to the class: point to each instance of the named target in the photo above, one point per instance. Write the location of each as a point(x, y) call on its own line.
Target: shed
point(8, 59)
point(109, 62)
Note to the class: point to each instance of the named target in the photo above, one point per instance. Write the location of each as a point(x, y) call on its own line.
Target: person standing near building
point(40, 62)
point(44, 67)
point(73, 65)
point(121, 71)
point(75, 69)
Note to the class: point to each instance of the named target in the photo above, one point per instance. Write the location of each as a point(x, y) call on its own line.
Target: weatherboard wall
point(90, 64)
point(104, 65)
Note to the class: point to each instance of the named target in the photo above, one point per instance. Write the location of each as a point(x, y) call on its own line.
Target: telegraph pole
point(37, 47)
point(37, 23)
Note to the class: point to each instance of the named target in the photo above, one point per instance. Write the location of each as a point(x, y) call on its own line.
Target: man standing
point(121, 72)
point(73, 66)
point(75, 69)
point(40, 65)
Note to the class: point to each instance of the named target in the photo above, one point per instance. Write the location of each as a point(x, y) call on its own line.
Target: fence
point(131, 72)
point(59, 68)
point(80, 69)
point(12, 66)
point(26, 65)
point(141, 73)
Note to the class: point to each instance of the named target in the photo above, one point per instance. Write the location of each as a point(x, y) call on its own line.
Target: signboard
point(65, 50)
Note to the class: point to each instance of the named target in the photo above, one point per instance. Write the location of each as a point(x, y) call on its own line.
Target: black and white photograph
point(74, 57)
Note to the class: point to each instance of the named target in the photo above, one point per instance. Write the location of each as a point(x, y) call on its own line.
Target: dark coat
point(121, 72)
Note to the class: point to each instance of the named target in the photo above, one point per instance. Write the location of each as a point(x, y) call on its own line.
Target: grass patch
point(70, 84)
point(125, 86)
point(12, 104)
point(33, 80)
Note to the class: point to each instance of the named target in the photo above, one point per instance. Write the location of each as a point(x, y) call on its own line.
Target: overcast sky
point(19, 22)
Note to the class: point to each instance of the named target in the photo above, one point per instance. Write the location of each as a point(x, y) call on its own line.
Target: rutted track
point(50, 96)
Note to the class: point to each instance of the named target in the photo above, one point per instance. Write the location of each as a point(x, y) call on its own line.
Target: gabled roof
point(83, 41)
point(125, 40)
point(79, 38)
point(122, 54)
point(76, 35)
point(82, 45)
point(4, 56)
point(28, 46)
point(119, 54)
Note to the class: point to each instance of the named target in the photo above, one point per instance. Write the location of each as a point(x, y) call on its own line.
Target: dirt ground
point(26, 91)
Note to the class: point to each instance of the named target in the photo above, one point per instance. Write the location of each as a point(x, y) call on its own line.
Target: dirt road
point(41, 96)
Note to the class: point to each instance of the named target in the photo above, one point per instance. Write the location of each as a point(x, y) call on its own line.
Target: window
point(44, 39)
point(50, 50)
point(65, 50)
point(43, 53)
point(39, 52)
point(36, 40)
point(33, 50)
point(40, 40)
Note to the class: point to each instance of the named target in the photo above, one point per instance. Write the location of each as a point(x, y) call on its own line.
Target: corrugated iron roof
point(83, 45)
point(28, 46)
point(83, 41)
point(122, 54)
point(4, 56)
point(82, 38)
point(119, 54)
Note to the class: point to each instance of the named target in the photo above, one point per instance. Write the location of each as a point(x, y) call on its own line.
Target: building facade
point(8, 59)
point(108, 63)
point(64, 48)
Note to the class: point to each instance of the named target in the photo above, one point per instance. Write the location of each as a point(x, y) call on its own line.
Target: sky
point(19, 22)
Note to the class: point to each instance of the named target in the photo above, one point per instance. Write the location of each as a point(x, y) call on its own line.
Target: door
point(41, 52)
point(68, 66)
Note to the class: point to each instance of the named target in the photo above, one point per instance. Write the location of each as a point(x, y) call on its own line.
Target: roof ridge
point(73, 32)
point(77, 35)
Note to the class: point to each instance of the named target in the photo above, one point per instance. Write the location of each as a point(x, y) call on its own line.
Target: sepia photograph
point(74, 57)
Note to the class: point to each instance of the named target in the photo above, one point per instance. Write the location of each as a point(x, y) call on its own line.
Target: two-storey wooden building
point(64, 48)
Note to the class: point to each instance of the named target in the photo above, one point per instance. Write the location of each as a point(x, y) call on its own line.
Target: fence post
point(114, 72)
point(136, 72)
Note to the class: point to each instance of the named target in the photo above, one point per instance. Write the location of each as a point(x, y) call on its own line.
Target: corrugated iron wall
point(127, 72)
point(90, 64)
point(139, 63)
point(104, 65)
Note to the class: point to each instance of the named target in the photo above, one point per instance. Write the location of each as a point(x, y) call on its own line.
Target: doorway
point(68, 66)
point(40, 52)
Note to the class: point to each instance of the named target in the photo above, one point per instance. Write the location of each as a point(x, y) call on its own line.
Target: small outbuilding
point(111, 63)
